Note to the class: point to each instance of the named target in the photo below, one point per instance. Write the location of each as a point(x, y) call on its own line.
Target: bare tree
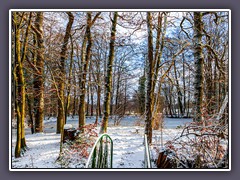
point(150, 74)
point(38, 83)
point(61, 78)
point(20, 84)
point(85, 58)
point(108, 82)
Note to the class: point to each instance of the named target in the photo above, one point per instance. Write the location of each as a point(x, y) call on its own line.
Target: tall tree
point(61, 79)
point(20, 85)
point(199, 61)
point(150, 74)
point(85, 58)
point(108, 81)
point(38, 83)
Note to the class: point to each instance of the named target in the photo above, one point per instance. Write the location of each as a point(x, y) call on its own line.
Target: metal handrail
point(147, 161)
point(100, 156)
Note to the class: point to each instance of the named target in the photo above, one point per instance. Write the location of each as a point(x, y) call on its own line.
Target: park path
point(128, 148)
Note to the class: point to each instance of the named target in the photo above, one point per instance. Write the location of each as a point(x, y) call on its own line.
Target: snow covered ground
point(128, 148)
point(42, 153)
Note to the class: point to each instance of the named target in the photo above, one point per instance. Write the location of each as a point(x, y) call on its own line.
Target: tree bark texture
point(108, 82)
point(199, 61)
point(20, 88)
point(150, 74)
point(38, 83)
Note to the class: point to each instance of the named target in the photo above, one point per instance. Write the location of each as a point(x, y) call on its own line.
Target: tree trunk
point(178, 91)
point(92, 103)
point(159, 49)
point(74, 94)
point(88, 98)
point(112, 91)
point(19, 90)
point(69, 82)
point(189, 94)
point(125, 97)
point(98, 109)
point(141, 90)
point(184, 85)
point(216, 88)
point(84, 62)
point(208, 77)
point(117, 92)
point(38, 83)
point(61, 80)
point(150, 74)
point(108, 82)
point(98, 89)
point(30, 122)
point(199, 60)
point(170, 100)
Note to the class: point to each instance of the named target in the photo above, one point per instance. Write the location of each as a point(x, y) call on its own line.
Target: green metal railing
point(147, 161)
point(101, 155)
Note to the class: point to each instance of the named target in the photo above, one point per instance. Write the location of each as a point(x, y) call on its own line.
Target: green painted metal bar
point(147, 161)
point(94, 157)
point(100, 156)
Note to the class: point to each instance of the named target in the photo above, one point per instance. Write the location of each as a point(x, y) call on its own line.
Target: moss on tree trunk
point(20, 93)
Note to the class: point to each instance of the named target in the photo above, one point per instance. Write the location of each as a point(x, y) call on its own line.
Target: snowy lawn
point(128, 148)
point(42, 153)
